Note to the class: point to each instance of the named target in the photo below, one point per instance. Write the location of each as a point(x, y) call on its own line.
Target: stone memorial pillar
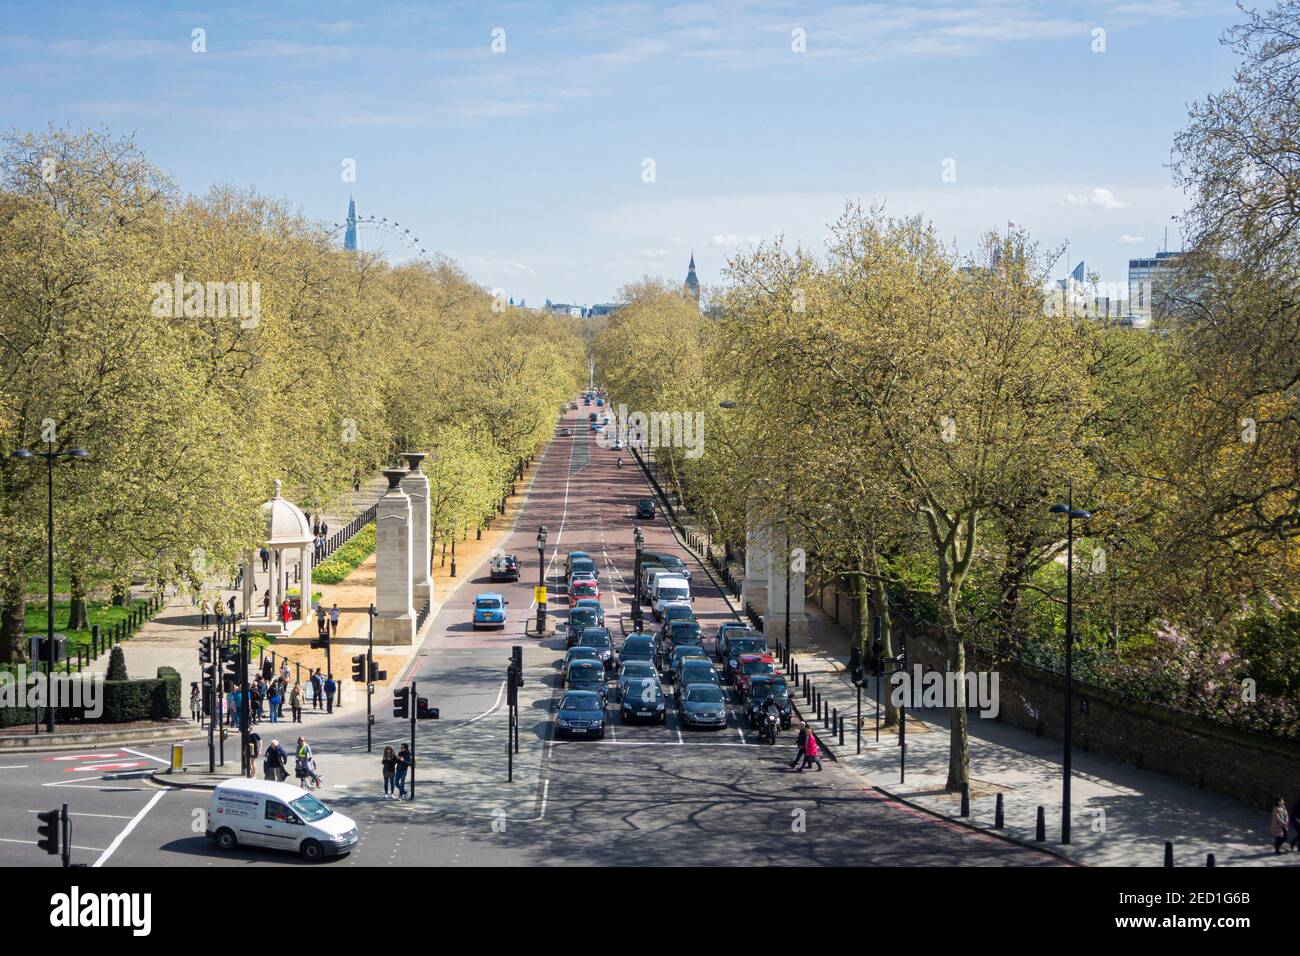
point(785, 561)
point(395, 617)
point(753, 589)
point(416, 486)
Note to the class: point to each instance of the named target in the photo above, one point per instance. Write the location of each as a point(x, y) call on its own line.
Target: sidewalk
point(1121, 815)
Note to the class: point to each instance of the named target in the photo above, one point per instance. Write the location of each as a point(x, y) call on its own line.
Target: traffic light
point(855, 665)
point(359, 668)
point(376, 674)
point(51, 825)
point(517, 659)
point(205, 650)
point(231, 673)
point(322, 643)
point(423, 711)
point(402, 702)
point(512, 686)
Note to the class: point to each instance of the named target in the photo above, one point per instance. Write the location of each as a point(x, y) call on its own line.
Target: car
point(598, 637)
point(702, 705)
point(581, 576)
point(645, 507)
point(761, 688)
point(637, 647)
point(591, 417)
point(581, 617)
point(267, 813)
point(600, 401)
point(566, 432)
point(504, 567)
point(693, 670)
point(748, 666)
point(581, 565)
point(617, 444)
point(672, 662)
point(596, 426)
point(642, 698)
point(574, 556)
point(631, 670)
point(583, 589)
point(677, 612)
point(586, 399)
point(647, 575)
point(675, 634)
point(586, 675)
point(737, 644)
point(670, 589)
point(581, 714)
point(574, 654)
point(490, 610)
point(669, 561)
point(591, 604)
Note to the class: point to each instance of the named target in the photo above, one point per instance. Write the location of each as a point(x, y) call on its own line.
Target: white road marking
point(17, 767)
point(141, 753)
point(92, 849)
point(106, 816)
point(126, 832)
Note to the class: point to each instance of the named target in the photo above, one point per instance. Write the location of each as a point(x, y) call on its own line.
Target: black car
point(673, 635)
point(765, 687)
point(581, 714)
point(637, 648)
point(670, 562)
point(692, 670)
point(598, 638)
point(735, 646)
point(643, 699)
point(504, 567)
point(645, 507)
point(586, 675)
point(580, 618)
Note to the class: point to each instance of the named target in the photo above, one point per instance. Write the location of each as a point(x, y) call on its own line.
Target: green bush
point(156, 698)
point(116, 665)
point(347, 558)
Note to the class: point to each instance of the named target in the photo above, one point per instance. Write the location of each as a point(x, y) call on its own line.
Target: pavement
point(1120, 815)
point(645, 795)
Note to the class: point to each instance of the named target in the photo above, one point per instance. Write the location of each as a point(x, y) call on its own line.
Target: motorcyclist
point(771, 714)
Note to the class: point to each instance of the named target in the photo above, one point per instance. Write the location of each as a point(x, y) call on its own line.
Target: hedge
point(157, 698)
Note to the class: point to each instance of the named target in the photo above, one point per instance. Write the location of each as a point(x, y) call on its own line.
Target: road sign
point(539, 594)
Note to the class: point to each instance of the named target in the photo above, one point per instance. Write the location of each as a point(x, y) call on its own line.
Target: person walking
point(321, 621)
point(800, 744)
point(266, 604)
point(331, 685)
point(219, 612)
point(196, 706)
point(305, 765)
point(276, 762)
point(231, 605)
point(265, 555)
point(1278, 825)
point(203, 613)
point(334, 622)
point(404, 763)
point(810, 752)
point(284, 671)
point(317, 688)
point(389, 764)
point(325, 529)
point(295, 702)
point(276, 702)
point(284, 612)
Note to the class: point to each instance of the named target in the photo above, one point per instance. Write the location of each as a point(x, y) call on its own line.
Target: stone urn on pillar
point(394, 610)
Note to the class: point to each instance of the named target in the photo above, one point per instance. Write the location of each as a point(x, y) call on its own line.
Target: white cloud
point(1128, 240)
point(727, 240)
point(1099, 198)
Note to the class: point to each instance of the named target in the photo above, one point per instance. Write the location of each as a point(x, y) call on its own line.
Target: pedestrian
point(325, 529)
point(231, 604)
point(219, 611)
point(203, 613)
point(196, 707)
point(305, 765)
point(321, 624)
point(1278, 825)
point(268, 669)
point(295, 702)
point(284, 671)
point(232, 708)
point(238, 583)
point(389, 764)
point(284, 612)
point(404, 763)
point(266, 604)
point(800, 743)
point(317, 688)
point(331, 686)
point(276, 702)
point(315, 527)
point(275, 763)
point(265, 555)
point(334, 622)
point(810, 752)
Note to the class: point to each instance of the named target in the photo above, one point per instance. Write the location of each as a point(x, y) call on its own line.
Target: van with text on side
point(670, 589)
point(265, 813)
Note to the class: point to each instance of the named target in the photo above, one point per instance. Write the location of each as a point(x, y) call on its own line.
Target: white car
point(279, 816)
point(670, 589)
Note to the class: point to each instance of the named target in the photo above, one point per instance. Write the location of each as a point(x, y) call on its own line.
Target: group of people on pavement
point(395, 767)
point(275, 765)
point(1281, 819)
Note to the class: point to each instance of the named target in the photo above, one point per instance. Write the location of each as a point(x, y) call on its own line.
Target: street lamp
point(541, 580)
point(49, 455)
point(1070, 513)
point(638, 539)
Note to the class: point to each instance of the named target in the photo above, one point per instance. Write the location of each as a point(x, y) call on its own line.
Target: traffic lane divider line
point(126, 832)
point(92, 849)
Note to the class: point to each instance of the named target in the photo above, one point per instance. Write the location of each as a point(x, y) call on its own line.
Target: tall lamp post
point(541, 580)
point(638, 539)
point(1070, 513)
point(49, 455)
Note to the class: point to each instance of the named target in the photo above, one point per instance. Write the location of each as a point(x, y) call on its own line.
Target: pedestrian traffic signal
point(376, 674)
point(231, 674)
point(517, 659)
point(322, 643)
point(423, 711)
point(51, 824)
point(402, 702)
point(512, 686)
point(359, 668)
point(205, 650)
point(855, 665)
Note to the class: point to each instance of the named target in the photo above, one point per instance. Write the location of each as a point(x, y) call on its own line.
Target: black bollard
point(999, 821)
point(965, 799)
point(1209, 859)
point(1169, 853)
point(1041, 835)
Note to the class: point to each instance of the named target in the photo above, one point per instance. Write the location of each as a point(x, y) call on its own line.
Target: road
point(643, 796)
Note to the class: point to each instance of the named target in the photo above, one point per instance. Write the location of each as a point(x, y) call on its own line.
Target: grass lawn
point(105, 614)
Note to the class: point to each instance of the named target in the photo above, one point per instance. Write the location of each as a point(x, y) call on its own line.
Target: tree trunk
point(78, 618)
point(13, 629)
point(959, 745)
point(121, 594)
point(880, 602)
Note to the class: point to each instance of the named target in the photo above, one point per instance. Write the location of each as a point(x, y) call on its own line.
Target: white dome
point(285, 522)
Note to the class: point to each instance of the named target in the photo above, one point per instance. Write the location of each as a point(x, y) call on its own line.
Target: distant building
point(1146, 280)
point(563, 308)
point(603, 308)
point(692, 281)
point(350, 236)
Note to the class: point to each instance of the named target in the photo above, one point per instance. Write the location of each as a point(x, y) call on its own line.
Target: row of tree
point(913, 412)
point(199, 348)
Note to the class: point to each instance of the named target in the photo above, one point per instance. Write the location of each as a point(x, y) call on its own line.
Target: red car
point(583, 589)
point(748, 666)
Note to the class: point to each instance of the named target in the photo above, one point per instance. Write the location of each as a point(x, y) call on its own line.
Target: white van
point(670, 589)
point(277, 815)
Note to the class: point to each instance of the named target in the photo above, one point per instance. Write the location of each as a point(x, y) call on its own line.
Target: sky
point(561, 150)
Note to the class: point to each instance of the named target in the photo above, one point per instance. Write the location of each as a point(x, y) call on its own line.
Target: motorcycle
point(768, 727)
